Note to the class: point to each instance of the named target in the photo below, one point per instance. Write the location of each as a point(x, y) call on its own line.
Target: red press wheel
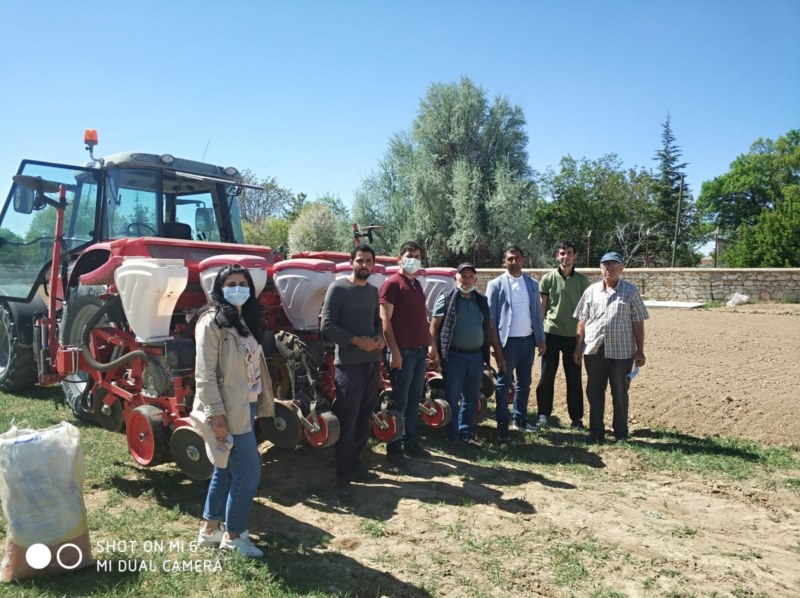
point(442, 416)
point(388, 427)
point(328, 432)
point(148, 438)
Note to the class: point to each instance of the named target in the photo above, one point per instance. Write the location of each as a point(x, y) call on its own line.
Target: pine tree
point(670, 189)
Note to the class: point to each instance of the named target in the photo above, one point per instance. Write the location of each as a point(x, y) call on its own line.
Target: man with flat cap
point(610, 339)
point(461, 333)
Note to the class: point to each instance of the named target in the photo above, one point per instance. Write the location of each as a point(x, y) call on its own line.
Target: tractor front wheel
point(83, 303)
point(17, 363)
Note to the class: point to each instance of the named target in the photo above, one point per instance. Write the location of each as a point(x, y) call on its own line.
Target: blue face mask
point(237, 296)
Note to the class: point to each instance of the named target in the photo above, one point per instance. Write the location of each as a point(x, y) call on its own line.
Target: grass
point(507, 484)
point(372, 527)
point(713, 304)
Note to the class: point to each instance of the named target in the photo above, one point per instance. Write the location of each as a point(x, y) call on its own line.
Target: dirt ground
point(467, 525)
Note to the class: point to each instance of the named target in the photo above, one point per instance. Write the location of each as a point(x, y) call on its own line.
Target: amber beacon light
point(90, 138)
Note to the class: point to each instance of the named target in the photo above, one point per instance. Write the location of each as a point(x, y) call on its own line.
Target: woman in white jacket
point(233, 386)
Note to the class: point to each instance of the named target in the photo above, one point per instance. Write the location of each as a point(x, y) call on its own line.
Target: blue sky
point(310, 92)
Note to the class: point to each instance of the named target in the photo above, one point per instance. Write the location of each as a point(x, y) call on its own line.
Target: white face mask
point(237, 296)
point(411, 264)
point(465, 290)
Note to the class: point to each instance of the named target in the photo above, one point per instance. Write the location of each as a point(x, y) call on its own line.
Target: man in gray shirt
point(351, 319)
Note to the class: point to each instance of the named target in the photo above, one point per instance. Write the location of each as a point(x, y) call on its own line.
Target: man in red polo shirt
point(405, 327)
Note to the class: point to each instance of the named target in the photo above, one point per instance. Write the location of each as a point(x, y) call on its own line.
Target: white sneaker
point(541, 422)
point(529, 428)
point(211, 540)
point(242, 545)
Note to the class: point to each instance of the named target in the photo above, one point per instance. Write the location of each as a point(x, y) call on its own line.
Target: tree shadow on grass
point(308, 476)
point(297, 556)
point(85, 582)
point(672, 441)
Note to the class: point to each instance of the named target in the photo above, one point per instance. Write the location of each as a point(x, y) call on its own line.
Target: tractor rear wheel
point(83, 303)
point(148, 437)
point(17, 363)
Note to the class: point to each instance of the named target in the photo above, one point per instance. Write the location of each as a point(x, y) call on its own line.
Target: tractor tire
point(17, 362)
point(83, 303)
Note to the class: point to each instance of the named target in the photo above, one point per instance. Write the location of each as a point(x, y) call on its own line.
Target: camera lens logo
point(39, 556)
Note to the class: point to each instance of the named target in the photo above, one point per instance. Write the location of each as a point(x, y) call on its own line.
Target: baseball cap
point(466, 265)
point(612, 256)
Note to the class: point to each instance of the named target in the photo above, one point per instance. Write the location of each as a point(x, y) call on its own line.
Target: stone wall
point(694, 284)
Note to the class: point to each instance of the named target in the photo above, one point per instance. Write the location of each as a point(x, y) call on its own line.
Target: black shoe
point(397, 458)
point(577, 424)
point(594, 438)
point(362, 475)
point(344, 490)
point(417, 452)
point(621, 438)
point(471, 443)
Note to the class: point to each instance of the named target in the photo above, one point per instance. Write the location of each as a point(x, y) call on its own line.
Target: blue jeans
point(232, 489)
point(462, 383)
point(408, 386)
point(518, 354)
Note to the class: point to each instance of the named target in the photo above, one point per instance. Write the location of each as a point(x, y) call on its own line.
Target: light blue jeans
point(232, 489)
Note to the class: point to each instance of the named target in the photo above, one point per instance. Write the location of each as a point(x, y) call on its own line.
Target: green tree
point(318, 228)
point(257, 204)
point(774, 240)
point(755, 182)
point(271, 232)
point(600, 207)
point(670, 190)
point(438, 183)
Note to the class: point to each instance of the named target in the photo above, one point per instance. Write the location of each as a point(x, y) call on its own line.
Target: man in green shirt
point(560, 291)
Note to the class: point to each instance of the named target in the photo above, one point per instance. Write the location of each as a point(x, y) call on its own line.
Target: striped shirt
point(609, 315)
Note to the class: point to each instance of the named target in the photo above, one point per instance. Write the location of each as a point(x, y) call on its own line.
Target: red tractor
point(102, 270)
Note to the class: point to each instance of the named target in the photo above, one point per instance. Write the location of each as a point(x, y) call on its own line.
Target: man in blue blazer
point(517, 314)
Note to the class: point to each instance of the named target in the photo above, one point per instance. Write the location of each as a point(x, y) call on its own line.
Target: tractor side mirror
point(204, 220)
point(23, 200)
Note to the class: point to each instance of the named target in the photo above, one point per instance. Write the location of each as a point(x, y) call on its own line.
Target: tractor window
point(186, 213)
point(132, 203)
point(26, 240)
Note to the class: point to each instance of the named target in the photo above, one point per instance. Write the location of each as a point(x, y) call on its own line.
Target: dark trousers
point(408, 387)
point(565, 346)
point(462, 386)
point(600, 372)
point(518, 355)
point(357, 389)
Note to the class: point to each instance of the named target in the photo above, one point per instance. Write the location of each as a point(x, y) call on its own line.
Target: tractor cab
point(125, 195)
